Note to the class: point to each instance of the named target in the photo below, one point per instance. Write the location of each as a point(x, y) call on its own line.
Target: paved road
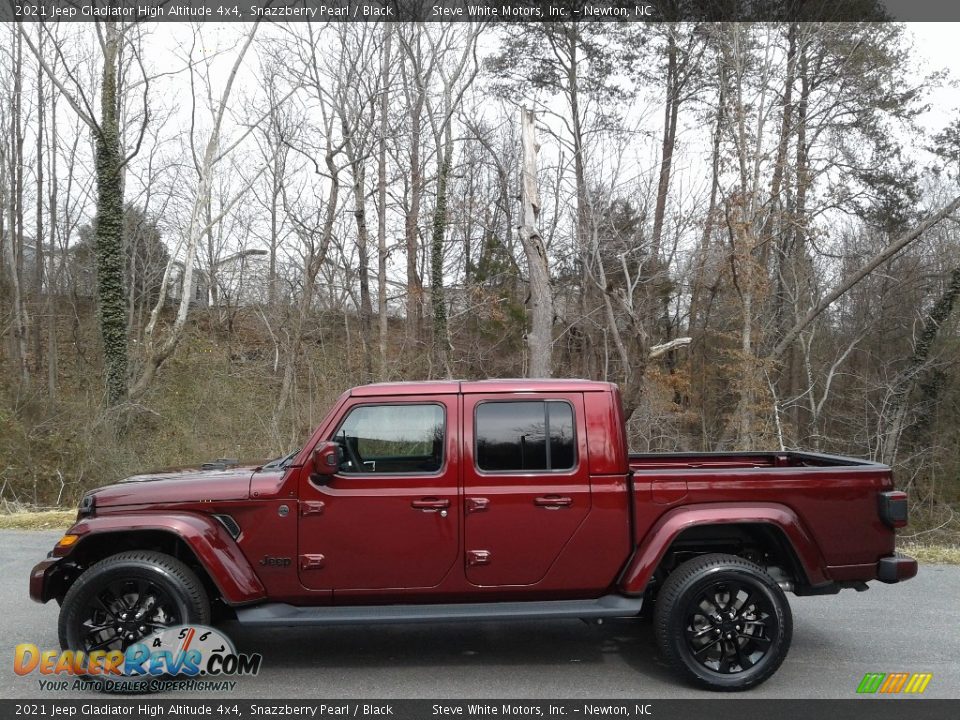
point(913, 627)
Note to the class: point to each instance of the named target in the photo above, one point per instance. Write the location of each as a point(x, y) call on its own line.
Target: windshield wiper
point(281, 462)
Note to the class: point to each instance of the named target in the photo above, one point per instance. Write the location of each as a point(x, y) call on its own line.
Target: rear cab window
point(523, 436)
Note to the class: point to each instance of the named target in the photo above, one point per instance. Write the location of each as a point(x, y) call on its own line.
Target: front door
point(389, 518)
point(526, 484)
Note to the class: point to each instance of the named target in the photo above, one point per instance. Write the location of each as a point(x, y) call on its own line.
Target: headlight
point(87, 506)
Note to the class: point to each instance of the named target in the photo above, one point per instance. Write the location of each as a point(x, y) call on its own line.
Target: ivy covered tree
point(110, 159)
point(109, 227)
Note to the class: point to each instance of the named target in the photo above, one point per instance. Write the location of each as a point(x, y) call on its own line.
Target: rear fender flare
point(210, 543)
point(651, 551)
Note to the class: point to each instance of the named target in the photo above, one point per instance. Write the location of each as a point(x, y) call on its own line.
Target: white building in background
point(238, 279)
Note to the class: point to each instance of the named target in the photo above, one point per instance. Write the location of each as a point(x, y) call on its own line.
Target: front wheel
point(722, 622)
point(125, 597)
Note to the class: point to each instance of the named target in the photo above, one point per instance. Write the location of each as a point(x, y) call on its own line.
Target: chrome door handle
point(430, 504)
point(552, 502)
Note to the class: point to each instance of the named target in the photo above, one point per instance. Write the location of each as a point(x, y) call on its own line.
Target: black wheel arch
point(98, 546)
point(762, 543)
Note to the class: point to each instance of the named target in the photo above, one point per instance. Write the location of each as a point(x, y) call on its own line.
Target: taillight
point(893, 508)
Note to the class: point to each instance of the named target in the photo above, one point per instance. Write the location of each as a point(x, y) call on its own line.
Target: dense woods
point(209, 232)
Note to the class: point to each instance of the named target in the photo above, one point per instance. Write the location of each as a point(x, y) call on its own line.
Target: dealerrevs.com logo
point(893, 683)
point(183, 657)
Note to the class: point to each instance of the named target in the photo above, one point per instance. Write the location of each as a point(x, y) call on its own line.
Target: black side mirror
point(324, 461)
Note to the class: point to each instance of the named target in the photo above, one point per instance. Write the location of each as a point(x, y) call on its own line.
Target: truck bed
point(830, 495)
point(741, 461)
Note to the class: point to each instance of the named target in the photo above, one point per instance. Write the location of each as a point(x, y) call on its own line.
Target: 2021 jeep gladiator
point(469, 501)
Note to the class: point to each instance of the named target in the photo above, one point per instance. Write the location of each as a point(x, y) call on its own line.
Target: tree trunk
point(440, 340)
point(587, 295)
point(382, 205)
point(710, 221)
point(52, 358)
point(275, 187)
point(38, 267)
point(363, 259)
point(671, 110)
point(780, 163)
point(14, 246)
point(213, 267)
point(793, 241)
point(412, 223)
point(109, 227)
point(540, 337)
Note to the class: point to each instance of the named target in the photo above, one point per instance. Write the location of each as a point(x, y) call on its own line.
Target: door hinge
point(478, 557)
point(312, 507)
point(312, 562)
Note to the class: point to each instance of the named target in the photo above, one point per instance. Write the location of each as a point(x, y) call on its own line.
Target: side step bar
point(283, 614)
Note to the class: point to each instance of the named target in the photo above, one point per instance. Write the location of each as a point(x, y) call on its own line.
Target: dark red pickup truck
point(471, 501)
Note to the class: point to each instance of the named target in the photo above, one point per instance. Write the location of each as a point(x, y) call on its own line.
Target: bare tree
point(111, 160)
point(386, 57)
point(416, 72)
point(356, 105)
point(455, 80)
point(275, 140)
point(11, 179)
point(158, 349)
point(540, 337)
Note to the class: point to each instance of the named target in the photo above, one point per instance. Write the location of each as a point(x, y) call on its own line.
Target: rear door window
point(524, 436)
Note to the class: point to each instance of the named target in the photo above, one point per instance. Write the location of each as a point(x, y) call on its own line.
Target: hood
point(191, 484)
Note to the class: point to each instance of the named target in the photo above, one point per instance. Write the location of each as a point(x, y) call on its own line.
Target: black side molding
point(283, 614)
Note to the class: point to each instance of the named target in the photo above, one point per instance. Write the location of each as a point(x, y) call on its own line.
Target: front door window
point(388, 439)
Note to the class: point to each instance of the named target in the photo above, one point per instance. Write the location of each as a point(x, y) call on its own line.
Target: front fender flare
point(646, 558)
point(213, 547)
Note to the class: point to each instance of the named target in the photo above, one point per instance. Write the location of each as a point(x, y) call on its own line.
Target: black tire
point(722, 622)
point(171, 592)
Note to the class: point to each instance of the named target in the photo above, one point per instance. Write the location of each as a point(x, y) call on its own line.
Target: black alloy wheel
point(124, 612)
point(723, 622)
point(125, 597)
point(729, 627)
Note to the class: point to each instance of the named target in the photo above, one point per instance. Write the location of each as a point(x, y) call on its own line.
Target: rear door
point(390, 517)
point(526, 484)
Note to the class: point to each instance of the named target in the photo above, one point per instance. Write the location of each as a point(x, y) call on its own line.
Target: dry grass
point(41, 520)
point(933, 554)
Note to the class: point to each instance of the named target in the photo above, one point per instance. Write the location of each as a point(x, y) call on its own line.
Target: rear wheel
point(722, 622)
